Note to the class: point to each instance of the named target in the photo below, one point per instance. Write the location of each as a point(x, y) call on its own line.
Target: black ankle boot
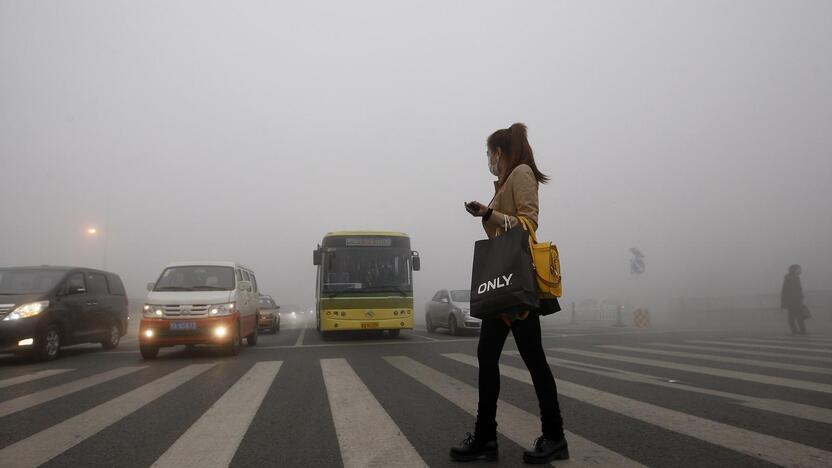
point(475, 448)
point(546, 450)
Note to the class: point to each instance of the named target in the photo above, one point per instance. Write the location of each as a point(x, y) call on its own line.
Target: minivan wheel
point(232, 348)
point(113, 338)
point(251, 339)
point(148, 351)
point(49, 344)
point(452, 325)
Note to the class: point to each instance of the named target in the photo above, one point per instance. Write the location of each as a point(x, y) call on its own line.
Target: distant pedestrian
point(791, 301)
point(511, 161)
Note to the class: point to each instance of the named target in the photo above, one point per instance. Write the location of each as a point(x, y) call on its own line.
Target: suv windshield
point(196, 278)
point(367, 269)
point(14, 281)
point(461, 295)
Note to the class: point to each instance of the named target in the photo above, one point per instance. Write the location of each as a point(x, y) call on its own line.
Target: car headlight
point(27, 310)
point(466, 311)
point(151, 310)
point(221, 310)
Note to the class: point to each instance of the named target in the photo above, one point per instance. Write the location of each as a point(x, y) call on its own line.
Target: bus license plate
point(183, 325)
point(369, 325)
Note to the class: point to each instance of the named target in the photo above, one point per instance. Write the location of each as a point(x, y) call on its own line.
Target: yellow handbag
point(546, 263)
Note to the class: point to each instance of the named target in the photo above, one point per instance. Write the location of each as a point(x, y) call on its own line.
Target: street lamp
point(93, 232)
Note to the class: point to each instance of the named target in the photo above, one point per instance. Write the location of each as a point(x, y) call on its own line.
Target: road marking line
point(729, 374)
point(204, 444)
point(733, 360)
point(425, 337)
point(788, 408)
point(760, 340)
point(366, 434)
point(749, 345)
point(33, 376)
point(518, 425)
point(299, 342)
point(374, 343)
point(801, 339)
point(49, 443)
point(754, 444)
point(33, 399)
point(741, 351)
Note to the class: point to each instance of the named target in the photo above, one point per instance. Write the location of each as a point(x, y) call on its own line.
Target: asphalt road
point(629, 398)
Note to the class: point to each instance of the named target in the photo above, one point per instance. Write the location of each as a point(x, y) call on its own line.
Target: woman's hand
point(476, 208)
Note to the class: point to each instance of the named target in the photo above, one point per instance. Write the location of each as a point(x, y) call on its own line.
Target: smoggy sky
point(698, 131)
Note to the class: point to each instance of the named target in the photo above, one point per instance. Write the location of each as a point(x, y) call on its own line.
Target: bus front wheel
point(394, 333)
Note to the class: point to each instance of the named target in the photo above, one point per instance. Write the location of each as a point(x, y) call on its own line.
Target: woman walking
point(510, 159)
point(791, 300)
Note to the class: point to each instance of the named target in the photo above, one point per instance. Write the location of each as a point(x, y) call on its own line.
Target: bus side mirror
point(316, 257)
point(417, 264)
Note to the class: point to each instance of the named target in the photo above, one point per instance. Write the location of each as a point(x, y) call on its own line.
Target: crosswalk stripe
point(516, 424)
point(749, 345)
point(802, 339)
point(49, 443)
point(778, 342)
point(37, 398)
point(33, 376)
point(754, 444)
point(788, 408)
point(748, 362)
point(366, 434)
point(744, 352)
point(202, 445)
point(730, 374)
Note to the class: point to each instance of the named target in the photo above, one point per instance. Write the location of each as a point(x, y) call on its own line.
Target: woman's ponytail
point(514, 144)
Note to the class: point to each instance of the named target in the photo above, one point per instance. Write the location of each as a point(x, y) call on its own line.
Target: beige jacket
point(517, 197)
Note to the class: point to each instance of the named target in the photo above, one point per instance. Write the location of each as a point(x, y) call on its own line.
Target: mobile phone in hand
point(472, 207)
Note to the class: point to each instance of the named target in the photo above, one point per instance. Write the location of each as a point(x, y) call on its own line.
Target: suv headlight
point(151, 310)
point(220, 310)
point(27, 310)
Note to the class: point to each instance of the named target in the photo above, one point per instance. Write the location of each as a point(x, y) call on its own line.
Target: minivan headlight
point(151, 310)
point(27, 310)
point(220, 310)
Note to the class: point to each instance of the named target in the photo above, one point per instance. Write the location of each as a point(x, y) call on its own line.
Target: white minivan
point(200, 303)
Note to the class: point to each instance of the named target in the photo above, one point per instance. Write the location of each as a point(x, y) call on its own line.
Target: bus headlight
point(27, 310)
point(221, 310)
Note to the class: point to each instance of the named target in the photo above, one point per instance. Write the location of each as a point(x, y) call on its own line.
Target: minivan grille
point(5, 309)
point(184, 310)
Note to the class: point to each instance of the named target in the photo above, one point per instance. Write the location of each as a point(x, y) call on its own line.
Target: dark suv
point(45, 308)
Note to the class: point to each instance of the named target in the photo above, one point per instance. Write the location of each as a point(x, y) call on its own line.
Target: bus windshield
point(367, 269)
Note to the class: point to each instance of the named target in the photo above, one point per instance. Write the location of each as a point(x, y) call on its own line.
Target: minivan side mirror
point(150, 286)
point(417, 264)
point(316, 257)
point(245, 285)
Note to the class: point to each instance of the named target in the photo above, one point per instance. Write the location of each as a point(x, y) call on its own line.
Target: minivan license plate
point(369, 324)
point(183, 325)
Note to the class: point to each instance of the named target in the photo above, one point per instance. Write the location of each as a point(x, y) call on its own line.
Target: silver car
point(451, 309)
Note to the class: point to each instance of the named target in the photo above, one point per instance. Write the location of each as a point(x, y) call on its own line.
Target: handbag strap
point(527, 225)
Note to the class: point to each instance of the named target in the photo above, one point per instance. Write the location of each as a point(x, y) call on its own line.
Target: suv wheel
point(232, 348)
point(113, 337)
point(49, 344)
point(149, 351)
point(452, 325)
point(251, 339)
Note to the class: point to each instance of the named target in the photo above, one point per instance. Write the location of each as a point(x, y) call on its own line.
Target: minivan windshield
point(196, 278)
point(28, 281)
point(461, 295)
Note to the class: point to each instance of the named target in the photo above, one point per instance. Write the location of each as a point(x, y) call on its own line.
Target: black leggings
point(527, 337)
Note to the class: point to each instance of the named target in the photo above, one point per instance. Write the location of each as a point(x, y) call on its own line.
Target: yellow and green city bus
point(365, 281)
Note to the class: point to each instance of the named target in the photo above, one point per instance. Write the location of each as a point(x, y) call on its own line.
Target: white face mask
point(494, 168)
